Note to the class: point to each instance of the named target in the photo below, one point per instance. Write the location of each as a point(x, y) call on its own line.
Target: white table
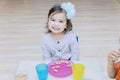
point(92, 70)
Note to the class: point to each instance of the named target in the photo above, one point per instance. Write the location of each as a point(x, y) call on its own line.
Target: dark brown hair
point(56, 9)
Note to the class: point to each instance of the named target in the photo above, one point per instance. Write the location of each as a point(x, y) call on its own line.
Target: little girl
point(114, 65)
point(60, 42)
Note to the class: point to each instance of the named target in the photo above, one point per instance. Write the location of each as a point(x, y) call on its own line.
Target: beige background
point(22, 25)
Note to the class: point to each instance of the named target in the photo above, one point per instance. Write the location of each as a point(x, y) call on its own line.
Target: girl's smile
point(55, 28)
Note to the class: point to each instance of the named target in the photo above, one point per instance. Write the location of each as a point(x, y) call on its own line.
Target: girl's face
point(57, 22)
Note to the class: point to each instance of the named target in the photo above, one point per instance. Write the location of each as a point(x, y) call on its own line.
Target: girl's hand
point(113, 56)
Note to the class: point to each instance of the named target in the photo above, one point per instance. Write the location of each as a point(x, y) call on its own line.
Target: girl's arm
point(45, 52)
point(75, 49)
point(112, 57)
point(111, 70)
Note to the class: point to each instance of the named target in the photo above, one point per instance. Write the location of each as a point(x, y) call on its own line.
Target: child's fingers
point(113, 53)
point(114, 59)
point(113, 56)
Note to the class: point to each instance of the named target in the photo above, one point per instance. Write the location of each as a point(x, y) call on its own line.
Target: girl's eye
point(52, 20)
point(61, 21)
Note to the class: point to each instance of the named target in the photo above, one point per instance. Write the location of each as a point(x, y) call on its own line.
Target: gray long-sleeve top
point(65, 48)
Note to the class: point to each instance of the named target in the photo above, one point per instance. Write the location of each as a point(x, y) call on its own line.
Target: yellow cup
point(78, 71)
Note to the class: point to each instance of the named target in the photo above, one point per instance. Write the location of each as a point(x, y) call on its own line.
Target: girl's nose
point(56, 23)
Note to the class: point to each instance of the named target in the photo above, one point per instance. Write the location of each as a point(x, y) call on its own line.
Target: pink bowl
point(60, 68)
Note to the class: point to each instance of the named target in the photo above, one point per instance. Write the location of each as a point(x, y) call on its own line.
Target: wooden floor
point(22, 25)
